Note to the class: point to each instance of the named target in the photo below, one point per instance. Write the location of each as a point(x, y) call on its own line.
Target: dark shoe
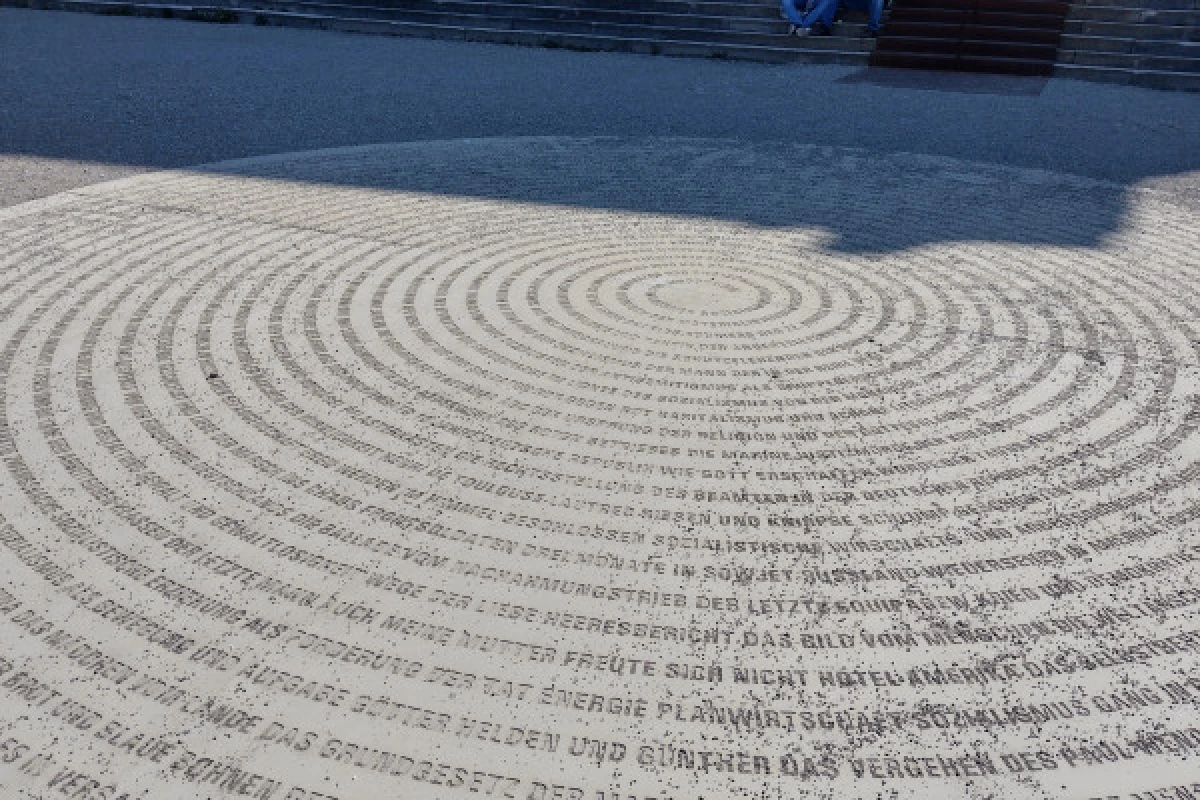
point(796, 30)
point(820, 29)
point(871, 33)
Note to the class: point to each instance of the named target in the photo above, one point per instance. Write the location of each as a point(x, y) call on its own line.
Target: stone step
point(1150, 79)
point(1093, 58)
point(434, 10)
point(1177, 5)
point(961, 63)
point(973, 47)
point(1131, 30)
point(783, 49)
point(1053, 7)
point(718, 8)
point(542, 18)
point(1133, 41)
point(1151, 16)
point(765, 32)
point(731, 7)
point(673, 11)
point(899, 27)
point(995, 19)
point(1150, 47)
point(1001, 36)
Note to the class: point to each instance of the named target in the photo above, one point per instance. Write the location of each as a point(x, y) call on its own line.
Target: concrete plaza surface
point(110, 95)
point(395, 418)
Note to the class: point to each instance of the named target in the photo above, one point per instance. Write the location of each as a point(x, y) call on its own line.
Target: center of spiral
point(704, 296)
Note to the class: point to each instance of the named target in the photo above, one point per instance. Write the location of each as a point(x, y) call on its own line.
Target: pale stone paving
point(318, 484)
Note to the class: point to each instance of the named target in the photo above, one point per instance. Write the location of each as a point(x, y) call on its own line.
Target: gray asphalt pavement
point(87, 98)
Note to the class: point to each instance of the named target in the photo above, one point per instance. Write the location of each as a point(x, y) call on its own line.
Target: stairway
point(1142, 42)
point(1017, 37)
point(720, 29)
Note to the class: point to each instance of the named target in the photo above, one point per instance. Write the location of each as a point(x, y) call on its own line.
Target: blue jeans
point(788, 7)
point(874, 9)
point(824, 10)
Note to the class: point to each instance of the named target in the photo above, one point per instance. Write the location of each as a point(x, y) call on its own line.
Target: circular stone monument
point(599, 469)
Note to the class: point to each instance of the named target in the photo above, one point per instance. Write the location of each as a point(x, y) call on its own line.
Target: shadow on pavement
point(153, 94)
point(866, 202)
point(961, 82)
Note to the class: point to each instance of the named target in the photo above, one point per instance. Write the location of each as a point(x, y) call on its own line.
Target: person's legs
point(874, 9)
point(874, 13)
point(791, 13)
point(821, 15)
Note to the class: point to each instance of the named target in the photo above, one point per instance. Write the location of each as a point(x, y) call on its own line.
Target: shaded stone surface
point(599, 468)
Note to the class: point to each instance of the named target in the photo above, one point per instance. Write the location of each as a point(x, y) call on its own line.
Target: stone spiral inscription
point(601, 470)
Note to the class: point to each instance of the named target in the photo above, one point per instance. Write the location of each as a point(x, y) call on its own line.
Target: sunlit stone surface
point(596, 469)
